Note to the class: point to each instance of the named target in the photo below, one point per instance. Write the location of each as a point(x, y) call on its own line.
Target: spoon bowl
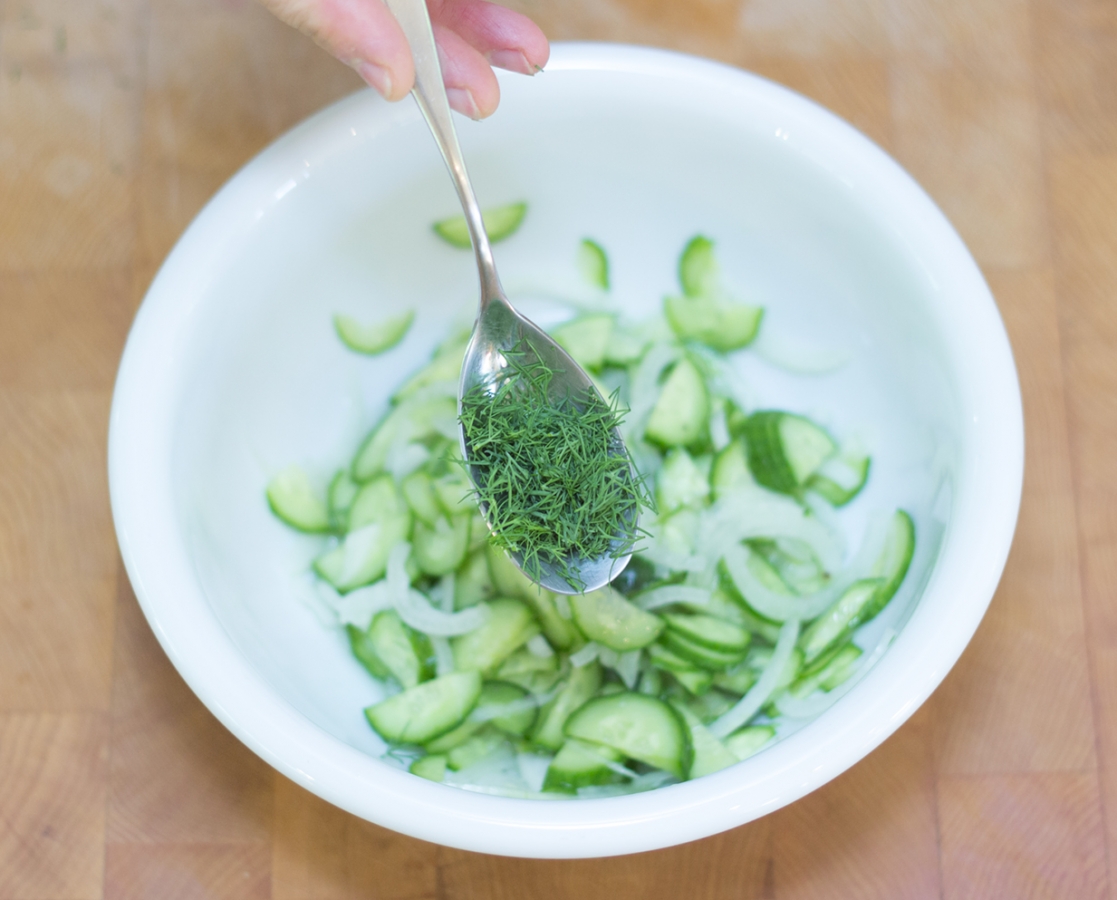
point(499, 329)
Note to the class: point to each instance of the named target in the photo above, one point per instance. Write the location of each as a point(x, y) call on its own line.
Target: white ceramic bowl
point(232, 371)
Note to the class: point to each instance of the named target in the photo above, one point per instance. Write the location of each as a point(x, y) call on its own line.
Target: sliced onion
point(586, 655)
point(759, 694)
point(358, 546)
point(628, 667)
point(670, 594)
point(417, 611)
point(774, 605)
point(539, 646)
point(358, 607)
point(443, 656)
point(644, 390)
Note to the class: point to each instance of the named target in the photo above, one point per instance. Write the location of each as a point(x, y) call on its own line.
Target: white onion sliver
point(417, 611)
point(358, 607)
point(356, 549)
point(608, 657)
point(772, 604)
point(538, 646)
point(628, 667)
point(750, 704)
point(563, 607)
point(672, 593)
point(585, 656)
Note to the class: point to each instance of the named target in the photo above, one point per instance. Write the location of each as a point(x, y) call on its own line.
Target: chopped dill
point(552, 476)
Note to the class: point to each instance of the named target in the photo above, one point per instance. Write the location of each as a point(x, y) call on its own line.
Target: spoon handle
point(430, 94)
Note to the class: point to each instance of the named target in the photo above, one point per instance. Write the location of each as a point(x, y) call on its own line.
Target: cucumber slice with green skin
point(785, 450)
point(432, 768)
point(840, 663)
point(375, 338)
point(710, 754)
point(681, 482)
point(717, 634)
point(841, 619)
point(578, 764)
point(292, 497)
point(441, 549)
point(586, 339)
point(472, 584)
point(840, 479)
point(425, 711)
point(638, 726)
point(730, 469)
point(662, 658)
point(455, 494)
point(342, 492)
point(680, 412)
point(507, 707)
point(606, 617)
point(894, 561)
point(580, 686)
point(510, 581)
point(362, 649)
point(593, 264)
point(696, 681)
point(418, 490)
point(719, 324)
point(699, 655)
point(509, 626)
point(455, 737)
point(409, 421)
point(475, 749)
point(738, 679)
point(749, 740)
point(699, 272)
point(404, 653)
point(624, 349)
point(500, 222)
point(444, 368)
point(378, 520)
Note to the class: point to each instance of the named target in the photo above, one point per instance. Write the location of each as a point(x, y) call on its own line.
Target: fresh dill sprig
point(552, 476)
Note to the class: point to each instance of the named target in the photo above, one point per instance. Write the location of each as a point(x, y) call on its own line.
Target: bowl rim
point(973, 554)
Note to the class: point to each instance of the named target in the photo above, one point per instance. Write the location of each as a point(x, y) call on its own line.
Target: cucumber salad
point(742, 607)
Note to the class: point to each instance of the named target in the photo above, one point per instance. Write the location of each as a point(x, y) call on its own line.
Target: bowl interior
point(234, 371)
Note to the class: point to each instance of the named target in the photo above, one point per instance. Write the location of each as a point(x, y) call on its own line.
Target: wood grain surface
point(119, 118)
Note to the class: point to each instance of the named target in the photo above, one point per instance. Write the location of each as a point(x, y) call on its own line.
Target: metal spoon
point(499, 327)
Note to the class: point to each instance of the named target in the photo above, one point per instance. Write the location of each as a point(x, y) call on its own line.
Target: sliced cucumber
point(840, 478)
point(581, 685)
point(710, 754)
point(510, 625)
point(507, 707)
point(500, 222)
point(738, 679)
point(378, 519)
point(432, 768)
point(441, 549)
point(418, 490)
point(390, 648)
point(679, 415)
point(578, 764)
point(749, 740)
point(606, 617)
point(586, 339)
point(638, 726)
point(374, 338)
point(510, 581)
point(342, 492)
point(696, 681)
point(699, 272)
point(703, 313)
point(841, 619)
point(837, 665)
point(698, 654)
point(624, 348)
point(421, 713)
point(408, 422)
point(681, 482)
point(474, 750)
point(785, 450)
point(717, 634)
point(593, 263)
point(730, 469)
point(895, 560)
point(455, 737)
point(537, 674)
point(472, 583)
point(444, 368)
point(292, 497)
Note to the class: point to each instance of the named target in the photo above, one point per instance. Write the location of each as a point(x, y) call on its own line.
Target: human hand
point(472, 36)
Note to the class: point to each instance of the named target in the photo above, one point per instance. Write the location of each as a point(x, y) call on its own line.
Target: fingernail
point(513, 61)
point(462, 100)
point(376, 76)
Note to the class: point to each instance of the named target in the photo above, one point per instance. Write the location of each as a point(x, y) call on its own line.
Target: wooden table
point(119, 118)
